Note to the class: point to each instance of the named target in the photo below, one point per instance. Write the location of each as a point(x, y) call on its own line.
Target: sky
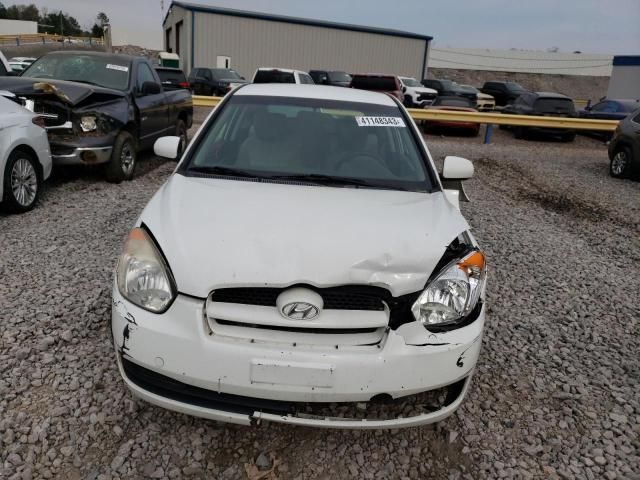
point(591, 26)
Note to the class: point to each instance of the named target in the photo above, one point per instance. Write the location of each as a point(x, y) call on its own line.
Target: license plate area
point(275, 372)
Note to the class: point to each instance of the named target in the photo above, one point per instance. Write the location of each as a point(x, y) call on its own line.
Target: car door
point(152, 107)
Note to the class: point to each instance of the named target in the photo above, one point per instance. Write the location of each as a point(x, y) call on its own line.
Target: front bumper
point(178, 348)
point(81, 155)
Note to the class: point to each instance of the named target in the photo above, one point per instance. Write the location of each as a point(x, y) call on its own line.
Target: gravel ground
point(555, 395)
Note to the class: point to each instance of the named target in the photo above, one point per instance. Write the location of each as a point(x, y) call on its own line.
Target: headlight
point(454, 293)
point(143, 276)
point(88, 123)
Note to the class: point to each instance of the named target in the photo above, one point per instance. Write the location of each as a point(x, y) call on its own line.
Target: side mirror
point(242, 78)
point(404, 89)
point(150, 88)
point(457, 168)
point(167, 147)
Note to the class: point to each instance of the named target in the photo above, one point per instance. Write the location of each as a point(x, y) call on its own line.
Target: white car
point(25, 159)
point(28, 60)
point(18, 66)
point(415, 95)
point(282, 75)
point(4, 65)
point(304, 264)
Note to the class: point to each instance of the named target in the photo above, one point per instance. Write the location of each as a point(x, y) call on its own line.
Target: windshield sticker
point(120, 68)
point(380, 122)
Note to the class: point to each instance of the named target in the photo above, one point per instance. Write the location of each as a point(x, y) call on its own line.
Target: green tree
point(23, 12)
point(98, 28)
point(3, 10)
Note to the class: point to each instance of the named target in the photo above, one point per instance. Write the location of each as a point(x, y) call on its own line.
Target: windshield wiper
point(225, 171)
point(325, 180)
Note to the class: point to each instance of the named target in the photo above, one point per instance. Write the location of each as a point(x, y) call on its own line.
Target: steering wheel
point(350, 156)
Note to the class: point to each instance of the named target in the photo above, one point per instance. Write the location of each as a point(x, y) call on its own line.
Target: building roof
point(525, 61)
point(626, 60)
point(320, 92)
point(195, 7)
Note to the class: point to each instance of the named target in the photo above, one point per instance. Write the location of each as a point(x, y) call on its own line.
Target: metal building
point(625, 77)
point(219, 37)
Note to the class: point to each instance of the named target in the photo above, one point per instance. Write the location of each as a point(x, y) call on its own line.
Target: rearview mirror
point(167, 147)
point(457, 168)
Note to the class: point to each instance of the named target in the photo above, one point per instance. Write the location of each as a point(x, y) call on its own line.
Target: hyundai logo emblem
point(300, 311)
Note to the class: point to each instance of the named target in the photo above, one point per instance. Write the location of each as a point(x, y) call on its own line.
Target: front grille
point(334, 298)
point(380, 407)
point(53, 113)
point(426, 96)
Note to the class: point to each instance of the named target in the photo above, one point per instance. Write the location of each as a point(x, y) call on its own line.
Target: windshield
point(411, 82)
point(554, 105)
point(171, 76)
point(339, 77)
point(309, 140)
point(104, 71)
point(225, 74)
point(515, 87)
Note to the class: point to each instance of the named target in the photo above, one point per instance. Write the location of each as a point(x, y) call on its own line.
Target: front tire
point(568, 137)
point(620, 164)
point(123, 159)
point(408, 101)
point(22, 182)
point(181, 131)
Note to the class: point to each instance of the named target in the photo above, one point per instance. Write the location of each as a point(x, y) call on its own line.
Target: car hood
point(71, 93)
point(219, 233)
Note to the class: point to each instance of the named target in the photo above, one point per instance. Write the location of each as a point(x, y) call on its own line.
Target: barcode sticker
point(120, 68)
point(380, 122)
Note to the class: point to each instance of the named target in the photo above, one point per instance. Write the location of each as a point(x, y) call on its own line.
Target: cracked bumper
point(178, 346)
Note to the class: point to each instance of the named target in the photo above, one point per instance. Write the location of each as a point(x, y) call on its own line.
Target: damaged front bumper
point(174, 361)
point(80, 150)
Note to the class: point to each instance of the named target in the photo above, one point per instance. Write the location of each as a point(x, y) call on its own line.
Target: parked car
point(624, 148)
point(18, 67)
point(101, 108)
point(484, 102)
point(460, 104)
point(282, 75)
point(503, 92)
point(214, 81)
point(25, 160)
point(28, 60)
point(377, 82)
point(331, 77)
point(172, 78)
point(448, 88)
point(415, 95)
point(543, 104)
point(259, 314)
point(607, 109)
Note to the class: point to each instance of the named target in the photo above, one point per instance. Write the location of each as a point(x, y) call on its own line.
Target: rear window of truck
point(274, 76)
point(554, 105)
point(384, 84)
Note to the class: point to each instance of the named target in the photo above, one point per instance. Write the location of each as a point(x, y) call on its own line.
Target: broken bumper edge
point(84, 156)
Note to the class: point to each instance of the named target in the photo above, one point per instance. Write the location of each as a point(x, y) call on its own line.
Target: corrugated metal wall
point(253, 43)
point(625, 82)
point(175, 16)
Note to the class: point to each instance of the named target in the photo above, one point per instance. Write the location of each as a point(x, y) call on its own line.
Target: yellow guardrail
point(489, 118)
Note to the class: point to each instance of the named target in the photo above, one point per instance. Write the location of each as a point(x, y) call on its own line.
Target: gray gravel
point(556, 393)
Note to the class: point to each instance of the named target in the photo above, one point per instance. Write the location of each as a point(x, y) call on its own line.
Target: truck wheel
point(123, 159)
point(181, 131)
point(408, 101)
point(22, 182)
point(568, 137)
point(620, 162)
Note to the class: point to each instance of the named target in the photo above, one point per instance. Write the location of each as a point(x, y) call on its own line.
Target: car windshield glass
point(554, 105)
point(448, 84)
point(310, 140)
point(225, 74)
point(469, 88)
point(274, 76)
point(339, 77)
point(385, 84)
point(411, 82)
point(171, 76)
point(514, 87)
point(101, 70)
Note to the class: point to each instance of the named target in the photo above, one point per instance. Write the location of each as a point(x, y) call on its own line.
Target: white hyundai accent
point(304, 264)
